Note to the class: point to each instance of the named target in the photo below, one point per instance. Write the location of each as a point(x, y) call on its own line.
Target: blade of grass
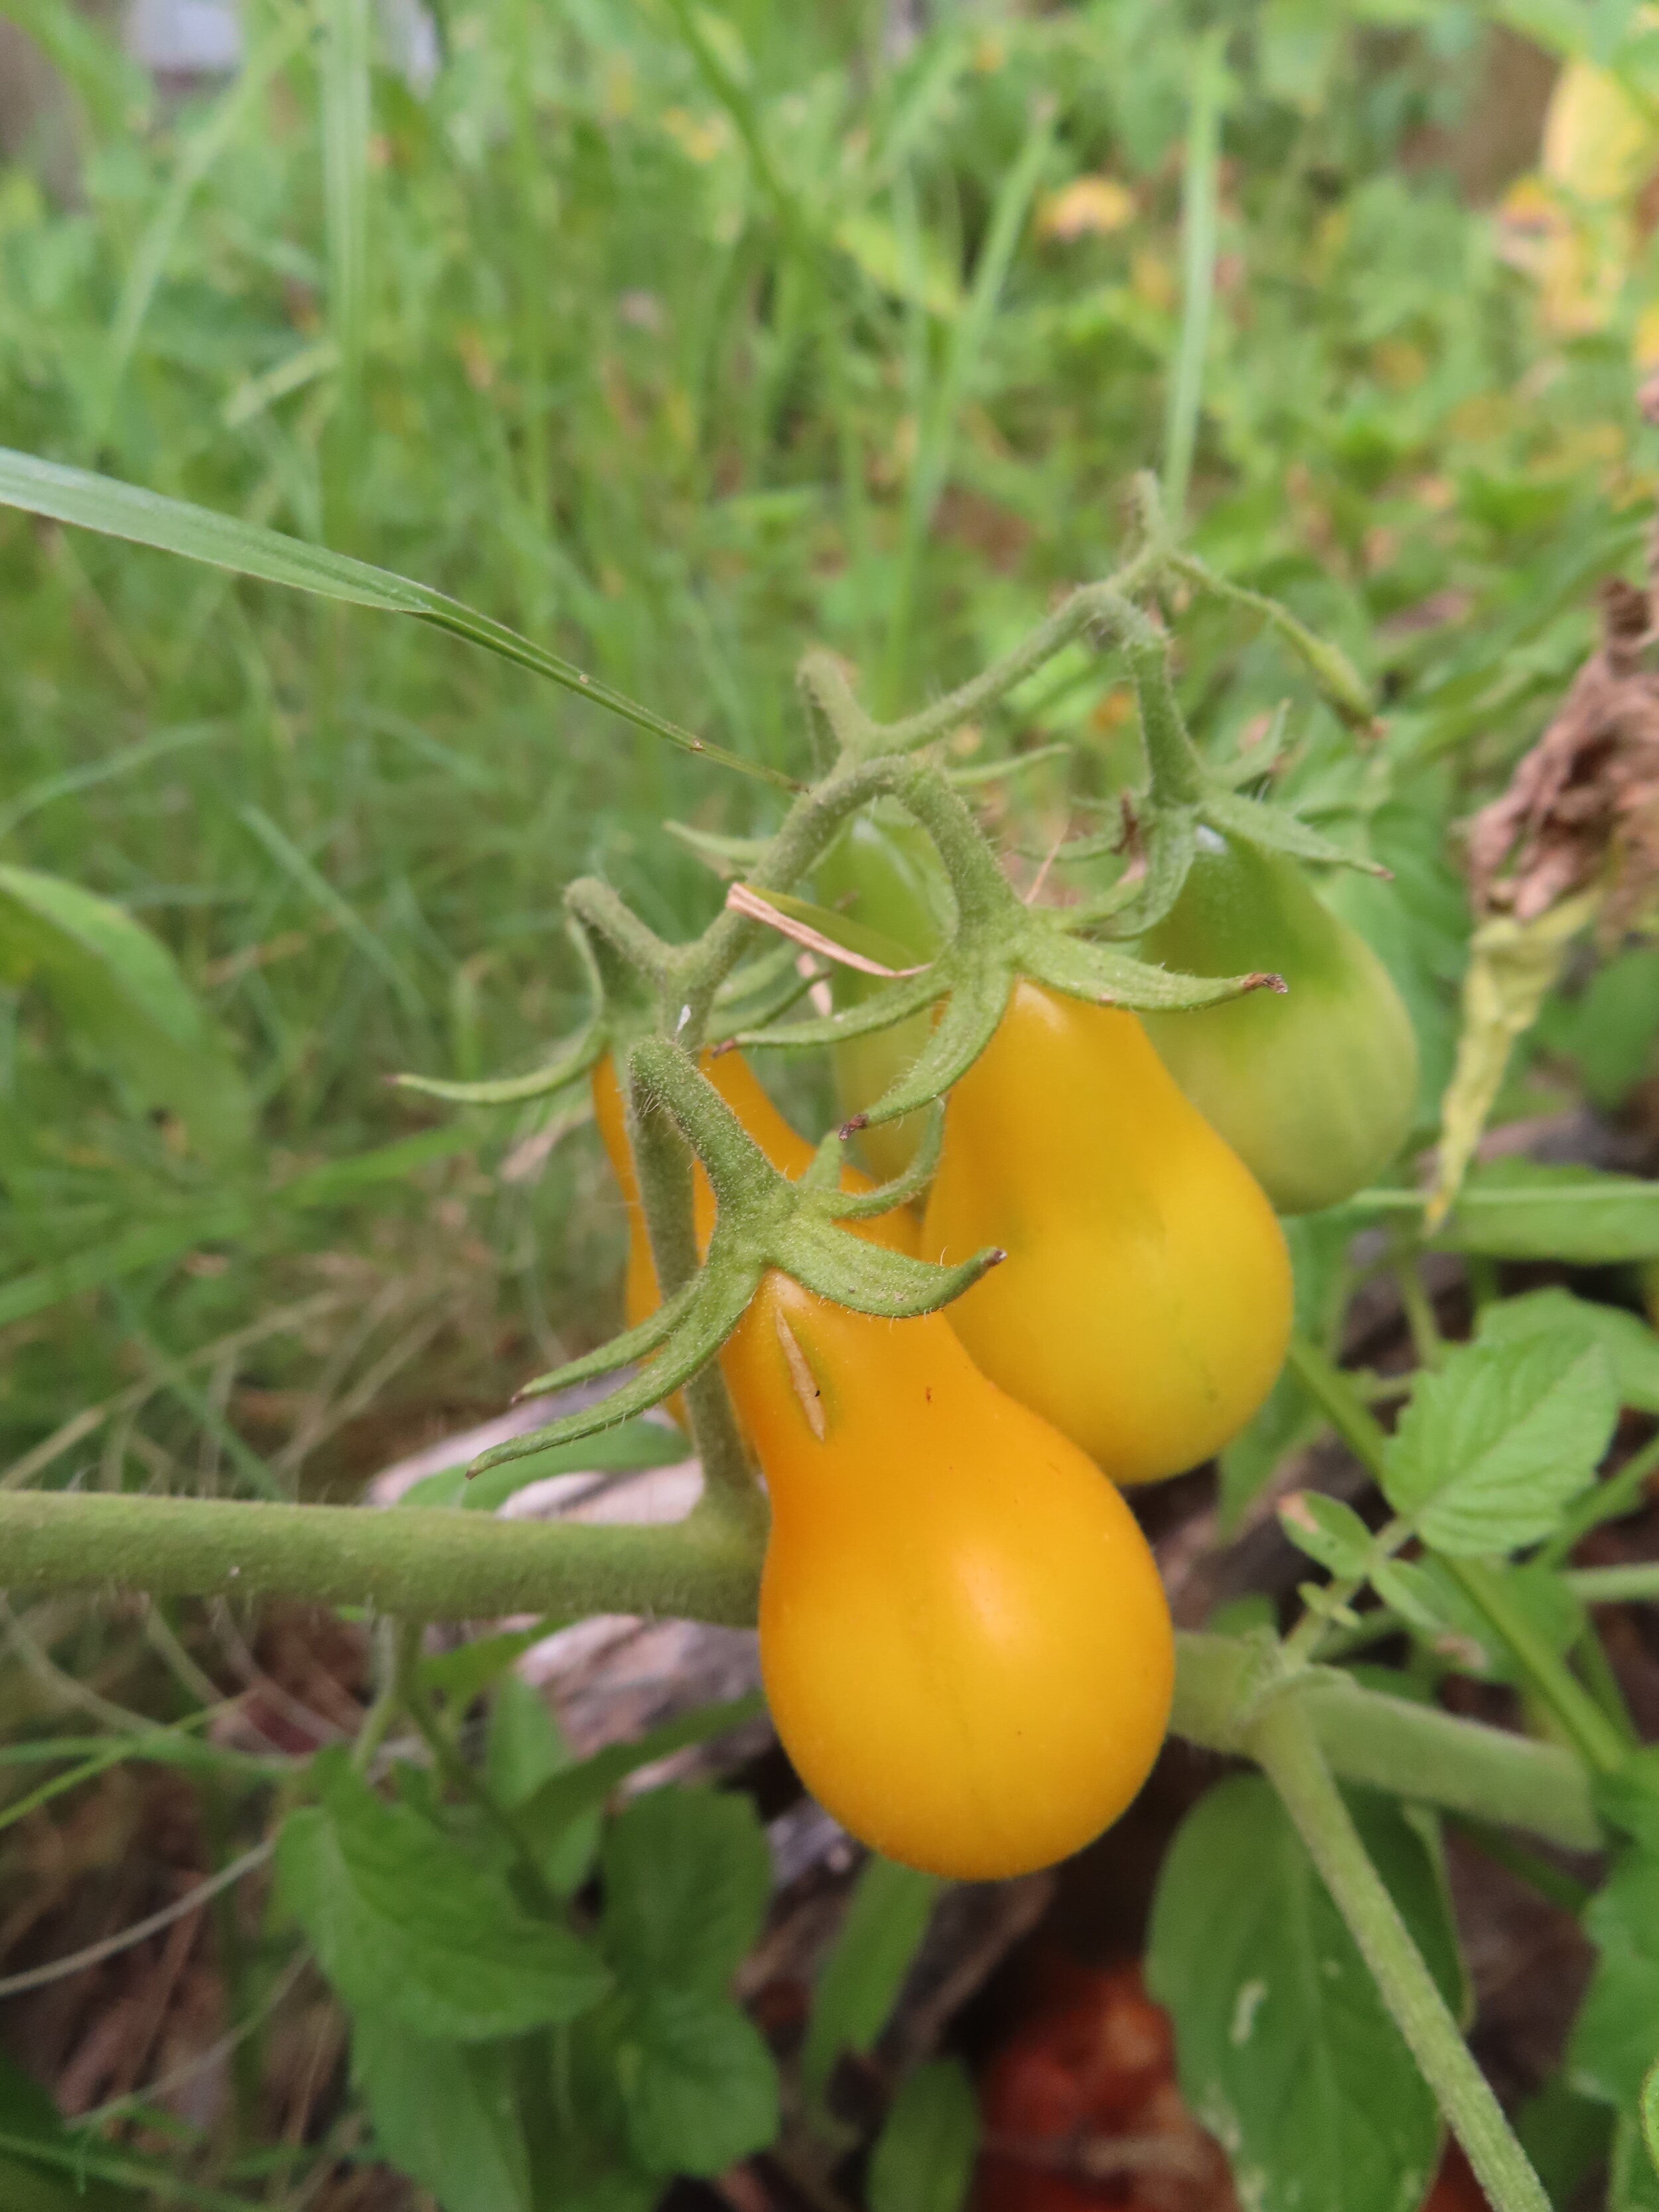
point(202, 148)
point(966, 340)
point(316, 888)
point(89, 502)
point(346, 102)
point(1198, 226)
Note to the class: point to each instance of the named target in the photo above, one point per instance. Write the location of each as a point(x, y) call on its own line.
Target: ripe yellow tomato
point(964, 1642)
point(1145, 1305)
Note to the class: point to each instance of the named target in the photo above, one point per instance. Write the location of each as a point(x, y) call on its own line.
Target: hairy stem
point(421, 1562)
point(1284, 1743)
point(444, 1564)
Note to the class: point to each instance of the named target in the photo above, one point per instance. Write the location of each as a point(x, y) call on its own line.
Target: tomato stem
point(1284, 1743)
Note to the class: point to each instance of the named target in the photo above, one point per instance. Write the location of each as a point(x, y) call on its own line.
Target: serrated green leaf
point(687, 1879)
point(1285, 2051)
point(924, 2157)
point(445, 2114)
point(408, 1923)
point(699, 2088)
point(1648, 2111)
point(120, 989)
point(1629, 1341)
point(1497, 1443)
point(886, 1919)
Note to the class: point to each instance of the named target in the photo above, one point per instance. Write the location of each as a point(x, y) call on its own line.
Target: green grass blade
point(1198, 228)
point(89, 502)
point(203, 150)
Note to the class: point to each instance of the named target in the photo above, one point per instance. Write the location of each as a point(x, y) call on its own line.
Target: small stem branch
point(663, 1162)
point(1546, 1673)
point(1091, 605)
point(1284, 1743)
point(1636, 1583)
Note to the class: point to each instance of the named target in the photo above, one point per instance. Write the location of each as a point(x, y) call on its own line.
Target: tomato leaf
point(1285, 2051)
point(687, 1880)
point(1631, 1346)
point(924, 2157)
point(1497, 1444)
point(699, 2088)
point(1614, 2038)
point(525, 1748)
point(445, 2114)
point(408, 1923)
point(885, 1922)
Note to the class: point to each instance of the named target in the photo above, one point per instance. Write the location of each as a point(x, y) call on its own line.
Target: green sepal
point(888, 1197)
point(571, 1065)
point(706, 1310)
point(911, 994)
point(726, 856)
point(1170, 835)
point(851, 1272)
point(1010, 764)
point(761, 990)
point(979, 992)
point(1107, 977)
point(1343, 686)
point(762, 1221)
point(1277, 831)
point(636, 1343)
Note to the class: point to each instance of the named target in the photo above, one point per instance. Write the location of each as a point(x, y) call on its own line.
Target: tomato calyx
point(996, 940)
point(762, 1222)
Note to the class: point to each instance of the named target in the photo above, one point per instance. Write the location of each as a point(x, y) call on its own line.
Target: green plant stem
point(1636, 1584)
point(438, 1564)
point(417, 1561)
point(1413, 1751)
point(1545, 1673)
point(1284, 1743)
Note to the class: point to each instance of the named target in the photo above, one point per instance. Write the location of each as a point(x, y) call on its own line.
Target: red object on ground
point(1081, 2110)
point(1456, 2189)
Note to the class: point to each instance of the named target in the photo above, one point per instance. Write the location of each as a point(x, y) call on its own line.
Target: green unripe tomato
point(884, 872)
point(1315, 1090)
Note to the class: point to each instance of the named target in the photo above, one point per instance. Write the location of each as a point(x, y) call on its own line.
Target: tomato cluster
point(963, 1637)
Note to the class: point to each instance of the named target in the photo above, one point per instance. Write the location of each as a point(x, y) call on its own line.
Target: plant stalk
point(1284, 1743)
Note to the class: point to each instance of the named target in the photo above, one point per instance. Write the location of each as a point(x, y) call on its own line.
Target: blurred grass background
point(679, 336)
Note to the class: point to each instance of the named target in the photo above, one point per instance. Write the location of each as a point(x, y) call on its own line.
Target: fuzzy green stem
point(1394, 1744)
point(1637, 1583)
point(442, 1565)
point(662, 1161)
point(418, 1561)
point(1284, 1743)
